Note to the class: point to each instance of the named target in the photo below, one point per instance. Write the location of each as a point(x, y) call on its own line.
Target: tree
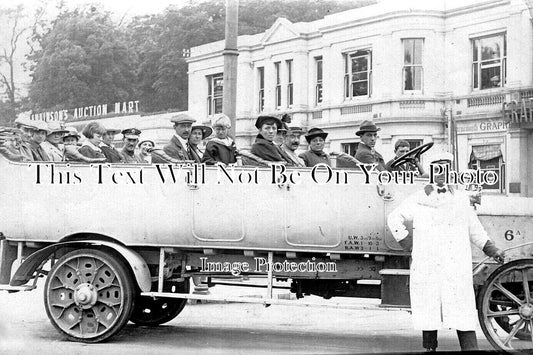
point(160, 39)
point(82, 61)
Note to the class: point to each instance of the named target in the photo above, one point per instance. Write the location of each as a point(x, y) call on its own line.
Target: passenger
point(366, 153)
point(94, 132)
point(280, 134)
point(40, 129)
point(291, 143)
point(72, 154)
point(53, 146)
point(24, 124)
point(264, 146)
point(130, 139)
point(441, 285)
point(177, 147)
point(198, 134)
point(400, 148)
point(221, 148)
point(10, 144)
point(111, 153)
point(315, 155)
point(145, 148)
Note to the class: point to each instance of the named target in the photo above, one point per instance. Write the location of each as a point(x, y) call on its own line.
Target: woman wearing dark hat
point(198, 134)
point(220, 149)
point(366, 153)
point(315, 155)
point(264, 146)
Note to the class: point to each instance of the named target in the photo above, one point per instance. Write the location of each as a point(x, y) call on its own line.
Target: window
point(488, 158)
point(290, 95)
point(489, 62)
point(277, 66)
point(349, 148)
point(357, 74)
point(215, 89)
point(318, 87)
point(261, 103)
point(413, 143)
point(412, 64)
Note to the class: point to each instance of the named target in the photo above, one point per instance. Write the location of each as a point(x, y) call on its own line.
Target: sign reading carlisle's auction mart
point(85, 112)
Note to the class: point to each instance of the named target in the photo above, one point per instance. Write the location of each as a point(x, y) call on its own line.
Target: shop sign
point(79, 113)
point(518, 111)
point(484, 126)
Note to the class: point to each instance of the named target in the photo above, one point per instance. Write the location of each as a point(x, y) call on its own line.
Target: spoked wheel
point(506, 307)
point(151, 311)
point(89, 295)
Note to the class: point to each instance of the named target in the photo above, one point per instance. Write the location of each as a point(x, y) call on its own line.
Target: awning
point(486, 152)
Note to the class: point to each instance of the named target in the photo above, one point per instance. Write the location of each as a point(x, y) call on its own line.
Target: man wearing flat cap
point(264, 146)
point(111, 153)
point(40, 129)
point(130, 139)
point(291, 142)
point(365, 151)
point(441, 285)
point(177, 147)
point(25, 125)
point(316, 139)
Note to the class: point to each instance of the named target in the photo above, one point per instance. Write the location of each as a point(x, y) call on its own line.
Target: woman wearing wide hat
point(316, 139)
point(198, 134)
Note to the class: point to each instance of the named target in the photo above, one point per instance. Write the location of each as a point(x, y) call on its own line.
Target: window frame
point(348, 73)
point(261, 91)
point(478, 65)
point(319, 80)
point(420, 65)
point(212, 97)
point(290, 84)
point(277, 91)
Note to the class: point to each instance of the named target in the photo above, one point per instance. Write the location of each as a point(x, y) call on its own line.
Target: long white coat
point(441, 285)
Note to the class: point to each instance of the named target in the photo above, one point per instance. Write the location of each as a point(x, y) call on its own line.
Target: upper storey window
point(413, 71)
point(489, 62)
point(215, 89)
point(358, 73)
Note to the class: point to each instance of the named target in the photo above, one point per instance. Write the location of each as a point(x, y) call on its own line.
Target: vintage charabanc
point(120, 243)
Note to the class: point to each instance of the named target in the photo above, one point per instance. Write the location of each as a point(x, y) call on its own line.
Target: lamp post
point(229, 99)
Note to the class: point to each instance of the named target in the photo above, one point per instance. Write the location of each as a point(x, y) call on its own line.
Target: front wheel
point(89, 295)
point(506, 307)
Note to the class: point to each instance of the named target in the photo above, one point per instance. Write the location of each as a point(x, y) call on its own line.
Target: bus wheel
point(89, 295)
point(506, 307)
point(151, 311)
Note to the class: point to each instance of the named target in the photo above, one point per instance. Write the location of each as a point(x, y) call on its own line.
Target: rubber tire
point(122, 272)
point(502, 269)
point(162, 310)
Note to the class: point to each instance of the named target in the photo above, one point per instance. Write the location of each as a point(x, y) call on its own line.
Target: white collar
point(183, 142)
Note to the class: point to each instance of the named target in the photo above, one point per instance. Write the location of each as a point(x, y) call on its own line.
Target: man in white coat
point(441, 284)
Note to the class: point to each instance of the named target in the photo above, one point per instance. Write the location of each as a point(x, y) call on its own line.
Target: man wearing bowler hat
point(177, 147)
point(365, 151)
point(264, 146)
point(315, 155)
point(130, 139)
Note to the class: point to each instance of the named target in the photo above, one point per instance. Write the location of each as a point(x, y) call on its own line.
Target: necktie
point(441, 190)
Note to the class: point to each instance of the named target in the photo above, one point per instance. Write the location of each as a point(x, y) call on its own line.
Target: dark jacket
point(369, 156)
point(90, 152)
point(266, 150)
point(131, 158)
point(38, 153)
point(312, 158)
point(173, 149)
point(218, 152)
point(112, 155)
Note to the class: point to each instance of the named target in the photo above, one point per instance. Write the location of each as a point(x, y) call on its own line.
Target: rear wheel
point(151, 311)
point(506, 307)
point(89, 295)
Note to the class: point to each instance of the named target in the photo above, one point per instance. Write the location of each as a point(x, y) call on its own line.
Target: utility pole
point(231, 52)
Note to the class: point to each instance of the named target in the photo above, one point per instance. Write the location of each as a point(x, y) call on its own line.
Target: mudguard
point(135, 261)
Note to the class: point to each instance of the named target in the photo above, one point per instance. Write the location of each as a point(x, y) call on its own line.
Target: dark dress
point(267, 150)
point(312, 158)
point(112, 155)
point(218, 152)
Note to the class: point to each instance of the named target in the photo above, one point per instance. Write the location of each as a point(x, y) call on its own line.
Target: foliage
point(82, 61)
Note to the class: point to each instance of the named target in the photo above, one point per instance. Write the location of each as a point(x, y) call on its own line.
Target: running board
point(275, 301)
point(9, 288)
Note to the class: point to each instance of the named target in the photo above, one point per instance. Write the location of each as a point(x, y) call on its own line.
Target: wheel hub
point(85, 295)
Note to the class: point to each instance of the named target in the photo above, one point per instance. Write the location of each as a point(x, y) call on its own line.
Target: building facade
point(455, 73)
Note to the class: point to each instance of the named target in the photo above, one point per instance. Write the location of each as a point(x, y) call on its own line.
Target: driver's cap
point(442, 157)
